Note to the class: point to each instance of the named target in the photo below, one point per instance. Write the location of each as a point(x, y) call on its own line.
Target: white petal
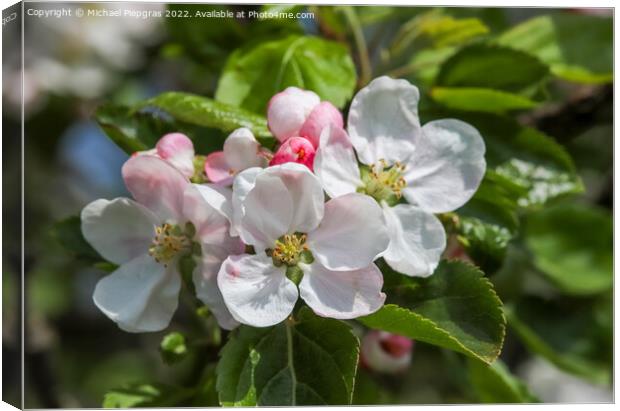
point(157, 185)
point(288, 110)
point(205, 282)
point(335, 164)
point(218, 197)
point(417, 239)
point(140, 296)
point(306, 193)
point(447, 166)
point(268, 212)
point(383, 120)
point(255, 291)
point(241, 150)
point(212, 228)
point(352, 234)
point(242, 185)
point(119, 230)
point(342, 294)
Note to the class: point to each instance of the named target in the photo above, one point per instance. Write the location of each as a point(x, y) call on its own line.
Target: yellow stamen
point(169, 242)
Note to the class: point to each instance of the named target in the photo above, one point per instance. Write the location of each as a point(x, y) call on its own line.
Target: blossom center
point(170, 241)
point(383, 182)
point(288, 249)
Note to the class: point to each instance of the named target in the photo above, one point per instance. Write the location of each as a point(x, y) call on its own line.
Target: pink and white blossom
point(385, 352)
point(437, 168)
point(241, 151)
point(300, 113)
point(295, 150)
point(177, 149)
point(147, 237)
point(281, 212)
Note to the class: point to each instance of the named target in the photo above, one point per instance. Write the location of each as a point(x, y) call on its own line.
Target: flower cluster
point(306, 222)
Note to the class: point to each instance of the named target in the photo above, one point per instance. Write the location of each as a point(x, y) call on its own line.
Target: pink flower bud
point(174, 144)
point(324, 114)
point(455, 251)
point(288, 110)
point(385, 352)
point(294, 150)
point(299, 113)
point(176, 149)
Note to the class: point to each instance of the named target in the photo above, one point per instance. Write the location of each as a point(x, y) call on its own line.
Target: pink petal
point(177, 149)
point(157, 185)
point(288, 110)
point(295, 150)
point(218, 170)
point(323, 115)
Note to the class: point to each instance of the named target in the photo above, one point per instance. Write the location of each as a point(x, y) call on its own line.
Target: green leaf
point(310, 362)
point(425, 64)
point(492, 67)
point(131, 131)
point(208, 44)
point(480, 99)
point(205, 112)
point(567, 334)
point(447, 31)
point(68, 233)
point(489, 221)
point(255, 73)
point(173, 347)
point(145, 395)
point(434, 28)
point(455, 308)
point(573, 246)
point(577, 47)
point(494, 384)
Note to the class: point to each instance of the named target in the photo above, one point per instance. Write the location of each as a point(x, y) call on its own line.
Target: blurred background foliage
point(536, 82)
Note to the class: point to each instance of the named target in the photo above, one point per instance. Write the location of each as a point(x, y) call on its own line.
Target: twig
point(360, 44)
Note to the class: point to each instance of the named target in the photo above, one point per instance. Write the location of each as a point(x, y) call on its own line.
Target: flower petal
point(218, 197)
point(119, 230)
point(255, 291)
point(140, 296)
point(242, 185)
point(322, 115)
point(417, 239)
point(205, 282)
point(352, 234)
point(342, 294)
point(218, 170)
point(335, 164)
point(447, 166)
point(306, 194)
point(288, 110)
point(178, 150)
point(268, 212)
point(211, 226)
point(157, 185)
point(383, 120)
point(241, 150)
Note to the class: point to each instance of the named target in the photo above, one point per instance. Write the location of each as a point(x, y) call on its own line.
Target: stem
point(360, 44)
point(291, 365)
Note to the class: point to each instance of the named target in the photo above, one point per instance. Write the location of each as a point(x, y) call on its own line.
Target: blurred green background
point(554, 276)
